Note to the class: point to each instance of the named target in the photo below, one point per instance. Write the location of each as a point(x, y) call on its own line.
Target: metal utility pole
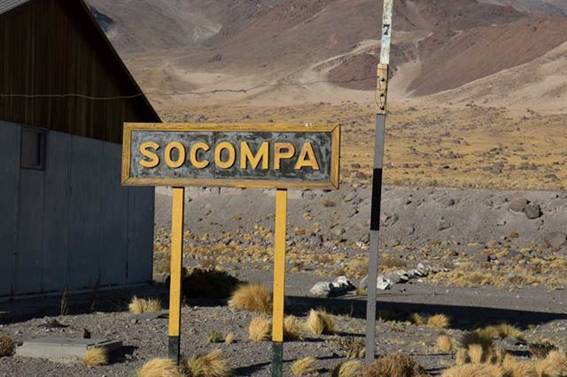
point(381, 97)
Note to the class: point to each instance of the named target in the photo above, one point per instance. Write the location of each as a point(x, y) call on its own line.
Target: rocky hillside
point(177, 46)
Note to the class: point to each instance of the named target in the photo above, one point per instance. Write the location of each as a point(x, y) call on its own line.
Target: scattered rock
point(519, 204)
point(383, 284)
point(321, 289)
point(339, 287)
point(533, 211)
point(555, 240)
point(443, 224)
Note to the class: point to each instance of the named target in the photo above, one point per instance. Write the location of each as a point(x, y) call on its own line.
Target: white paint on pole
point(386, 31)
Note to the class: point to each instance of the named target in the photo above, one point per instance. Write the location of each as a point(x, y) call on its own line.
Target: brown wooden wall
point(53, 47)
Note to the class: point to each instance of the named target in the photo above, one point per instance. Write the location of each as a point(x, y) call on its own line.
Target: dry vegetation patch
point(259, 329)
point(350, 368)
point(395, 365)
point(211, 364)
point(252, 297)
point(141, 305)
point(444, 343)
point(95, 357)
point(320, 322)
point(159, 368)
point(7, 346)
point(304, 367)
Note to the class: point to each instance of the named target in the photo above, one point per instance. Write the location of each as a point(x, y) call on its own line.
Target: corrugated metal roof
point(6, 5)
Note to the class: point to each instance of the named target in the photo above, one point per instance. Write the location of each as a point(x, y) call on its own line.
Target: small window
point(33, 149)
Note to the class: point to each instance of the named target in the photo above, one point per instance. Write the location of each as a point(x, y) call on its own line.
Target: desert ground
point(487, 223)
point(475, 193)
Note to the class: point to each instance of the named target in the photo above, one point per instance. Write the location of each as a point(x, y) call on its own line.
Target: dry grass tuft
point(554, 365)
point(215, 337)
point(209, 365)
point(444, 343)
point(259, 329)
point(417, 319)
point(503, 330)
point(353, 348)
point(95, 357)
point(229, 338)
point(141, 305)
point(350, 368)
point(438, 321)
point(517, 368)
point(292, 328)
point(7, 346)
point(462, 357)
point(395, 365)
point(252, 297)
point(159, 368)
point(476, 354)
point(475, 370)
point(304, 367)
point(320, 322)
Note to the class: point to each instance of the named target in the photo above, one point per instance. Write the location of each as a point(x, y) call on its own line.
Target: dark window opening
point(33, 149)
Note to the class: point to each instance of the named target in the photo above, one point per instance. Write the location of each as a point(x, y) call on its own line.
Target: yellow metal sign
point(233, 155)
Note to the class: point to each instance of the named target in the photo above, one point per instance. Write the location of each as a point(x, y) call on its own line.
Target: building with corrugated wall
point(65, 221)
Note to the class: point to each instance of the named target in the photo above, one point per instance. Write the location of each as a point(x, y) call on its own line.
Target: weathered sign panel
point(233, 155)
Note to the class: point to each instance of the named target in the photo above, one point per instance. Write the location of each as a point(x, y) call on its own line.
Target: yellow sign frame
point(333, 183)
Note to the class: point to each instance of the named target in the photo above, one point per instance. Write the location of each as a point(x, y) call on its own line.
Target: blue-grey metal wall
point(71, 226)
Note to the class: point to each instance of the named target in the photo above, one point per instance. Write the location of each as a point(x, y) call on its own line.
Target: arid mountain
point(301, 50)
point(539, 7)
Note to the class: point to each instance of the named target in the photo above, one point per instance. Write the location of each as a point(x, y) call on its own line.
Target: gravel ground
point(491, 267)
point(539, 313)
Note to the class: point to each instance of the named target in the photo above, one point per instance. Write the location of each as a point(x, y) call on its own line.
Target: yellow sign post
point(232, 155)
point(279, 281)
point(175, 275)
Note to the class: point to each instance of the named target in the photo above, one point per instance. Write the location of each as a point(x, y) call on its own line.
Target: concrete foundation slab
point(63, 350)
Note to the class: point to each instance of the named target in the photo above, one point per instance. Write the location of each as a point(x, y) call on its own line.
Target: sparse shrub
point(159, 368)
point(7, 346)
point(292, 328)
point(95, 357)
point(259, 329)
point(209, 365)
point(350, 368)
point(140, 305)
point(417, 319)
point(475, 370)
point(353, 348)
point(252, 297)
point(438, 321)
point(215, 337)
point(517, 368)
point(554, 365)
point(304, 367)
point(501, 331)
point(395, 365)
point(229, 338)
point(209, 283)
point(462, 357)
point(476, 354)
point(320, 322)
point(444, 343)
